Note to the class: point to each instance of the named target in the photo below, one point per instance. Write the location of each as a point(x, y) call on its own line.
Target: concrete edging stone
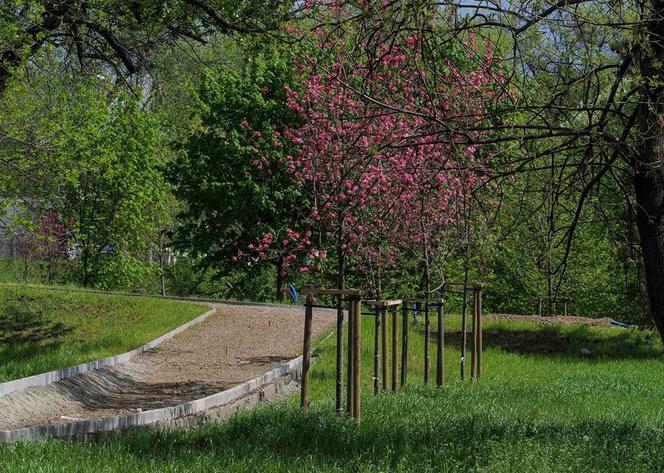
point(163, 416)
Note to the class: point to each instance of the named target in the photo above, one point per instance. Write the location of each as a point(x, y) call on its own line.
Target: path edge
point(65, 373)
point(199, 410)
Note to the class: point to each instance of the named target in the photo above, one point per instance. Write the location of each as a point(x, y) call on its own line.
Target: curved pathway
point(234, 345)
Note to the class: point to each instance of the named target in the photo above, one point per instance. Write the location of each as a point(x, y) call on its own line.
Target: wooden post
point(479, 331)
point(404, 343)
point(440, 349)
point(427, 328)
point(350, 361)
point(464, 332)
point(473, 348)
point(340, 357)
point(352, 371)
point(376, 348)
point(357, 310)
point(395, 346)
point(565, 308)
point(384, 346)
point(306, 353)
point(539, 306)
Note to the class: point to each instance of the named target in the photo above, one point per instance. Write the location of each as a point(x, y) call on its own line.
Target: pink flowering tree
point(47, 243)
point(380, 151)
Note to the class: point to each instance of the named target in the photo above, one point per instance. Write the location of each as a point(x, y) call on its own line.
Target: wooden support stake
point(427, 329)
point(340, 357)
point(464, 332)
point(473, 349)
point(539, 306)
point(565, 308)
point(395, 346)
point(404, 344)
point(384, 346)
point(440, 351)
point(350, 361)
point(479, 332)
point(376, 349)
point(306, 354)
point(357, 310)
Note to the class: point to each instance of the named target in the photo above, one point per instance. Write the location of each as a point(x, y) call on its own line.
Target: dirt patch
point(551, 320)
point(234, 345)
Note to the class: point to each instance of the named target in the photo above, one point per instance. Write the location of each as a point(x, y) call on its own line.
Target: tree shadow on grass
point(21, 323)
point(573, 342)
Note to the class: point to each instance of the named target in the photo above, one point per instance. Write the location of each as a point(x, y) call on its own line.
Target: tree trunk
point(279, 295)
point(649, 187)
point(162, 276)
point(649, 163)
point(341, 268)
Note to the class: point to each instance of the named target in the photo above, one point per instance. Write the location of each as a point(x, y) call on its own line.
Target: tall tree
point(240, 200)
point(121, 36)
point(586, 82)
point(380, 178)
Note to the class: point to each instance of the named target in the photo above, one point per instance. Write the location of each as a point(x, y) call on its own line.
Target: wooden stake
point(479, 332)
point(395, 346)
point(427, 329)
point(340, 357)
point(357, 310)
point(440, 352)
point(384, 346)
point(376, 349)
point(473, 350)
point(306, 353)
point(565, 308)
point(464, 332)
point(539, 306)
point(350, 361)
point(404, 344)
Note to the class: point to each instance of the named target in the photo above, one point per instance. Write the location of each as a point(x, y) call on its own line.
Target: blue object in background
point(293, 293)
point(620, 324)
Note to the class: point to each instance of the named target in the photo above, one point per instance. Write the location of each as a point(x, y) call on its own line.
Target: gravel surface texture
point(236, 344)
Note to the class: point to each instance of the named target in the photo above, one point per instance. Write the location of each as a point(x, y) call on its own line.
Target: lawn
point(540, 407)
point(43, 330)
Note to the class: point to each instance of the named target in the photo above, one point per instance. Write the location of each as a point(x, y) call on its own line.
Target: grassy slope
point(539, 408)
point(59, 329)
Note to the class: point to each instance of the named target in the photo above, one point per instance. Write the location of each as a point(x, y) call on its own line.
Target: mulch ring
point(551, 320)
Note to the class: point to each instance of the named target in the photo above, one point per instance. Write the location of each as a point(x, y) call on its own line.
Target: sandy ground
point(551, 320)
point(234, 345)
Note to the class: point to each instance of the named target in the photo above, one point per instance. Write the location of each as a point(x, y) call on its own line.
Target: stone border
point(217, 406)
point(65, 373)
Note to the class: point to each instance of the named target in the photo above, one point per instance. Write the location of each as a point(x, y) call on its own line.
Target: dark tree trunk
point(649, 186)
point(279, 295)
point(649, 163)
point(341, 267)
point(162, 275)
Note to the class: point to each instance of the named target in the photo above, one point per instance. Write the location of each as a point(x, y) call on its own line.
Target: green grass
point(540, 407)
point(43, 330)
point(12, 270)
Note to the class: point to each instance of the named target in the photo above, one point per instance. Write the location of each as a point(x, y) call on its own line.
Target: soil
point(552, 320)
point(234, 345)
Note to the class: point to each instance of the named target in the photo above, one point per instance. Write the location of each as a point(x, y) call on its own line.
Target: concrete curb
point(65, 373)
point(163, 416)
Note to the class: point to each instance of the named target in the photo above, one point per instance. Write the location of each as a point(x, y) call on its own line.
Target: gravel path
point(234, 345)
